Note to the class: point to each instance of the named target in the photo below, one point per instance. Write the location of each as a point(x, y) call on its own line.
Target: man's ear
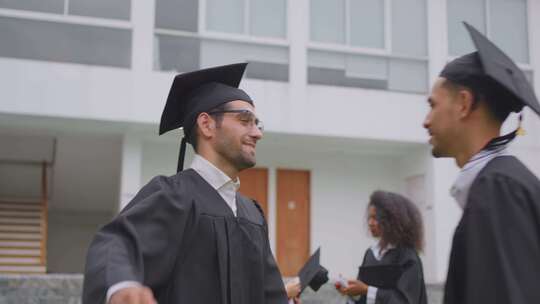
point(465, 100)
point(206, 125)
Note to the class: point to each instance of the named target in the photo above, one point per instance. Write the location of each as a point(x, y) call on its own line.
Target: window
point(93, 32)
point(111, 9)
point(193, 34)
point(503, 21)
point(261, 18)
point(378, 44)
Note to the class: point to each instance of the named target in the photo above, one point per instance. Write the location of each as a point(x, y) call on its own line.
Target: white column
point(439, 228)
point(446, 213)
point(142, 18)
point(272, 208)
point(532, 121)
point(437, 37)
point(298, 35)
point(534, 40)
point(130, 175)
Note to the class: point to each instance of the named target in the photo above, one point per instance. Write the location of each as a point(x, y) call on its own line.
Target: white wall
point(70, 233)
point(86, 172)
point(91, 92)
point(341, 190)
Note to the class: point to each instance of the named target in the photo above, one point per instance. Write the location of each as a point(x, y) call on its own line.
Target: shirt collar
point(469, 172)
point(212, 174)
point(376, 249)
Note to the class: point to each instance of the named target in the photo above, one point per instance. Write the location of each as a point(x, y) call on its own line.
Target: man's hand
point(354, 288)
point(293, 289)
point(133, 295)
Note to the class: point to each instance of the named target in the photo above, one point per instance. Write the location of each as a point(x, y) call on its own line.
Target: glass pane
point(268, 18)
point(327, 21)
point(324, 59)
point(215, 52)
point(508, 28)
point(268, 71)
point(225, 16)
point(408, 76)
point(48, 6)
point(273, 58)
point(367, 67)
point(113, 9)
point(53, 41)
point(367, 23)
point(409, 27)
point(177, 15)
point(338, 69)
point(471, 11)
point(179, 54)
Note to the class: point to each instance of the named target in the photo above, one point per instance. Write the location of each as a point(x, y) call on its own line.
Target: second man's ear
point(466, 100)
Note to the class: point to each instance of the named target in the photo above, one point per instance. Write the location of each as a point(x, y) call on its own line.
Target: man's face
point(237, 135)
point(442, 121)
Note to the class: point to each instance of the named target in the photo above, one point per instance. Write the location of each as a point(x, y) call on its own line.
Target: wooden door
point(293, 214)
point(254, 184)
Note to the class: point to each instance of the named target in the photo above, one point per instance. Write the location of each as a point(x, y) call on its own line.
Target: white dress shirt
point(223, 184)
point(469, 172)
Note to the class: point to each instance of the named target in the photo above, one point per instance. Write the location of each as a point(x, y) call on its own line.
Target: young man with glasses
point(191, 237)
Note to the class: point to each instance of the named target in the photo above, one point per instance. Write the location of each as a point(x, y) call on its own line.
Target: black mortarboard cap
point(312, 273)
point(381, 276)
point(492, 63)
point(197, 92)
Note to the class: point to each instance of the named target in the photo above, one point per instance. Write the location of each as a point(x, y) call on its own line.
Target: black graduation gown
point(410, 288)
point(180, 238)
point(495, 255)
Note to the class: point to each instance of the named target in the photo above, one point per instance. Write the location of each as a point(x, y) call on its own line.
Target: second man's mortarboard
point(491, 69)
point(196, 92)
point(491, 63)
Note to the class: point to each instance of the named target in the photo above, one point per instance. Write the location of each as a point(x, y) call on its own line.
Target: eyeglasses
point(245, 116)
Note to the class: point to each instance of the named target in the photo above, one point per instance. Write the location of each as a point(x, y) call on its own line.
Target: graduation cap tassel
point(520, 131)
point(181, 155)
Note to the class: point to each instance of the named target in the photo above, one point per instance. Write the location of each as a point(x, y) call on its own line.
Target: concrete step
point(18, 252)
point(22, 269)
point(9, 236)
point(20, 244)
point(18, 206)
point(20, 228)
point(20, 221)
point(20, 214)
point(34, 261)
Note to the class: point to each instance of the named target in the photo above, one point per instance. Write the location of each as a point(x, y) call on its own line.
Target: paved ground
point(66, 289)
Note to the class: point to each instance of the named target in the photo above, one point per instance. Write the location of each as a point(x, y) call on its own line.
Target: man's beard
point(234, 157)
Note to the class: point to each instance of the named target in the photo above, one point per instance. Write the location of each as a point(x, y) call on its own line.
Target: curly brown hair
point(399, 219)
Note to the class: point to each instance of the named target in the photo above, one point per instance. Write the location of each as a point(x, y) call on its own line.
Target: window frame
point(346, 46)
point(245, 36)
point(384, 53)
point(487, 19)
point(67, 18)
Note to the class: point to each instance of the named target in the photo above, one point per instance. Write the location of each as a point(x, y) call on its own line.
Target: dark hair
point(499, 101)
point(399, 219)
point(193, 138)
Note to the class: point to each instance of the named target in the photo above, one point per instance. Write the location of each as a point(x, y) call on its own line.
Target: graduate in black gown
point(191, 238)
point(495, 255)
point(397, 225)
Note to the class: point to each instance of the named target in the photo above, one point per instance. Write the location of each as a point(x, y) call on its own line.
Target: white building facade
point(341, 86)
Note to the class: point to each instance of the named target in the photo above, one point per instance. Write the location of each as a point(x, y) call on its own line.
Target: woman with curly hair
point(397, 225)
